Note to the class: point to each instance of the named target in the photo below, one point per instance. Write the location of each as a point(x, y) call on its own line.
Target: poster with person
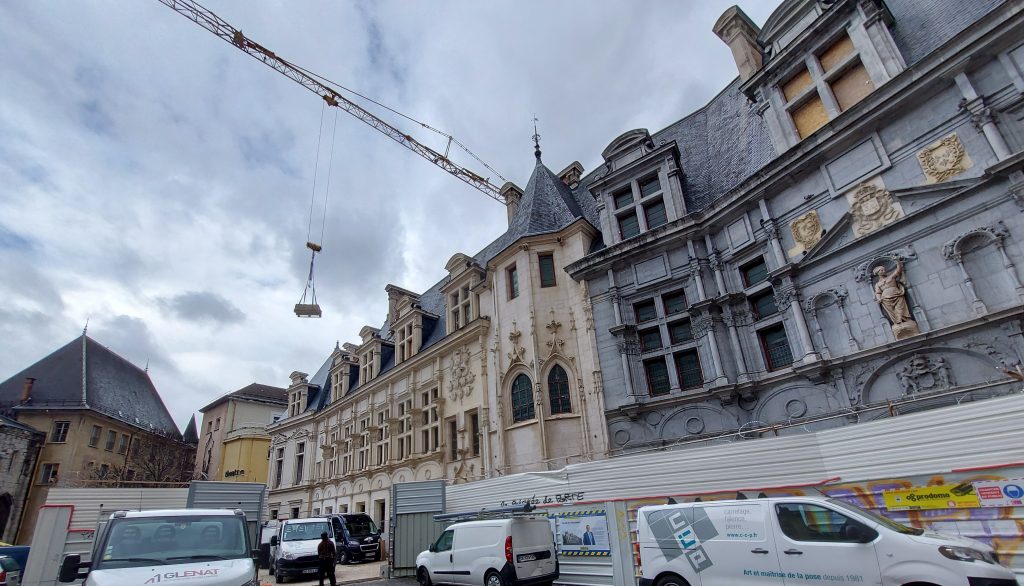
point(582, 533)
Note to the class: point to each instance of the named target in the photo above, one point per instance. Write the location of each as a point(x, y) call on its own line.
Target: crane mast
point(218, 26)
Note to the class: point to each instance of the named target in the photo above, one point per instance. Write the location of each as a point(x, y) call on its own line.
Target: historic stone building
point(491, 371)
point(19, 450)
point(839, 229)
point(104, 424)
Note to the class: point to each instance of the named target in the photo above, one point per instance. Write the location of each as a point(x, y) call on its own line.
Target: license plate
point(309, 571)
point(529, 557)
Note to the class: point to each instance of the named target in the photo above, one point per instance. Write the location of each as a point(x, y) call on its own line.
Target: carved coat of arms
point(944, 159)
point(461, 382)
point(807, 230)
point(872, 207)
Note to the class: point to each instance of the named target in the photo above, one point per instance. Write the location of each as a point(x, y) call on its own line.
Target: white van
point(500, 552)
point(293, 551)
point(802, 540)
point(204, 547)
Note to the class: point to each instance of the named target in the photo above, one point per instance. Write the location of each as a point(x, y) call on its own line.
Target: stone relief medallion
point(806, 232)
point(944, 159)
point(872, 207)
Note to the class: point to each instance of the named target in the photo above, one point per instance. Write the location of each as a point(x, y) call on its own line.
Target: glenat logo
point(182, 575)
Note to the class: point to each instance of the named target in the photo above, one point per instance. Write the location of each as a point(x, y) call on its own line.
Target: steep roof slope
point(255, 392)
point(112, 386)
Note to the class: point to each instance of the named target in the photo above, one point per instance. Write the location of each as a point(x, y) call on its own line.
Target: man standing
point(326, 552)
point(588, 537)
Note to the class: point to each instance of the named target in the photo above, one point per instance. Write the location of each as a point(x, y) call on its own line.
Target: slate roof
point(920, 27)
point(191, 435)
point(113, 386)
point(256, 392)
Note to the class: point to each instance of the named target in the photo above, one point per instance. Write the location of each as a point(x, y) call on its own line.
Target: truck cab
point(357, 537)
point(209, 547)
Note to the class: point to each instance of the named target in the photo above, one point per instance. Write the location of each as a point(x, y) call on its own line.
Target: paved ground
point(368, 573)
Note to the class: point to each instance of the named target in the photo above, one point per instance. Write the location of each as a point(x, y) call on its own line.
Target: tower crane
point(208, 20)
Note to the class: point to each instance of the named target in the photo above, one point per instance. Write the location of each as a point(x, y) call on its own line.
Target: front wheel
point(671, 580)
point(278, 578)
point(343, 557)
point(422, 577)
point(493, 579)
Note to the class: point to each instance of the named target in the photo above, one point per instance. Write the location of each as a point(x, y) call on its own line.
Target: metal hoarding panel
point(984, 433)
point(247, 496)
point(414, 532)
point(418, 497)
point(91, 505)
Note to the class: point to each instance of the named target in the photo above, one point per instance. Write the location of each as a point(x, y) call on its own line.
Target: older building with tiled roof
point(232, 436)
point(104, 421)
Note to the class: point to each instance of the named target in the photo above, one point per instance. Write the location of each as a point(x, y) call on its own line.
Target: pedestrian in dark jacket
point(326, 552)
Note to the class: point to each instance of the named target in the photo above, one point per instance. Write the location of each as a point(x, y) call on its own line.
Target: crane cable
point(424, 125)
point(315, 247)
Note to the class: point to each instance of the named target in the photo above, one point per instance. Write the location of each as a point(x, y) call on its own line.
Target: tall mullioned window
point(668, 348)
point(522, 399)
point(558, 391)
point(639, 206)
point(513, 282)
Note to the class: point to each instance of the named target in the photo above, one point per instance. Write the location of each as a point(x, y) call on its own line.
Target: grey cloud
point(202, 306)
point(131, 338)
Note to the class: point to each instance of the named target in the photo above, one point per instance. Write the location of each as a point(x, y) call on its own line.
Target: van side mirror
point(273, 541)
point(432, 548)
point(859, 533)
point(70, 566)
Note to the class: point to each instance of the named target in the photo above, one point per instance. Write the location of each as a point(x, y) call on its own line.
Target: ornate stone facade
point(895, 288)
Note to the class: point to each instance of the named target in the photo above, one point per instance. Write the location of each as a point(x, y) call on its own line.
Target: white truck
point(199, 547)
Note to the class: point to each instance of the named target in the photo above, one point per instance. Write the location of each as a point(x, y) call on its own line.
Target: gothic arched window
point(522, 399)
point(558, 391)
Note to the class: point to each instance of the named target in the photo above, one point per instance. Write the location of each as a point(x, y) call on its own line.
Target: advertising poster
point(1000, 493)
point(582, 533)
point(944, 496)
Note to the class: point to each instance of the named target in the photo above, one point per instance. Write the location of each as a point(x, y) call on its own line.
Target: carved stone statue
point(891, 294)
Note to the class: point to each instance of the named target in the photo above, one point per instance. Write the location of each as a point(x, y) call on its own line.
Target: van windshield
point(884, 521)
point(305, 531)
point(360, 526)
point(134, 542)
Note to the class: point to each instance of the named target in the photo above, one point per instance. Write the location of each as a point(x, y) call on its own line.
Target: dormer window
point(460, 307)
point(640, 206)
point(825, 85)
point(366, 366)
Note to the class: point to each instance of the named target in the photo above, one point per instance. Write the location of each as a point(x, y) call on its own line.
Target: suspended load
point(307, 306)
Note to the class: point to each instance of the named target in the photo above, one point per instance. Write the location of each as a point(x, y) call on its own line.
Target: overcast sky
point(157, 181)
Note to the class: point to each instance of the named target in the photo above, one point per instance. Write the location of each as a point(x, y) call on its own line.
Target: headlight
point(965, 554)
point(288, 555)
point(353, 543)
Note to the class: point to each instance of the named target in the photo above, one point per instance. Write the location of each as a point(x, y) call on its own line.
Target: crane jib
point(215, 24)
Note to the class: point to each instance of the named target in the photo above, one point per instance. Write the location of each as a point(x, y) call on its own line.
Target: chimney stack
point(513, 195)
point(26, 391)
point(571, 175)
point(740, 33)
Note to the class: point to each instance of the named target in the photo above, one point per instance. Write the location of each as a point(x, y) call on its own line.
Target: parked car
point(815, 540)
point(293, 551)
point(18, 552)
point(509, 551)
point(10, 571)
point(206, 546)
point(357, 537)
